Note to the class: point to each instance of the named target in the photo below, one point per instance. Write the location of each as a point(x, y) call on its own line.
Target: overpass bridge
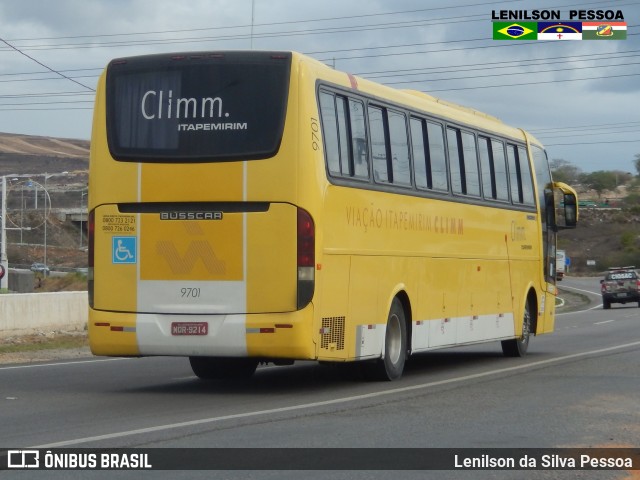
point(76, 215)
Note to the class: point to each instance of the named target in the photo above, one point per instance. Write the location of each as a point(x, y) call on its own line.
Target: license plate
point(189, 328)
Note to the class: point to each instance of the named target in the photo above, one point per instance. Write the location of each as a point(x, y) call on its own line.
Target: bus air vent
point(332, 333)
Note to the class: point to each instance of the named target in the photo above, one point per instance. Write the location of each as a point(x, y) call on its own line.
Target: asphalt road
point(577, 387)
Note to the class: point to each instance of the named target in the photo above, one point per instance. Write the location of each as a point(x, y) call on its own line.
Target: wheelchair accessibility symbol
point(124, 250)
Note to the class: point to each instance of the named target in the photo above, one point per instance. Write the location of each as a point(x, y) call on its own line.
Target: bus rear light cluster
point(306, 258)
point(91, 230)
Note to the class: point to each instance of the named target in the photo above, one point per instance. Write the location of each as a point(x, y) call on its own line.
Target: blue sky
point(581, 98)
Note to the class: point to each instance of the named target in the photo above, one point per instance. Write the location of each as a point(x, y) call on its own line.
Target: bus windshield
point(196, 107)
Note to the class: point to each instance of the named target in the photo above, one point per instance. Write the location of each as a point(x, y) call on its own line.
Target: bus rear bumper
point(266, 336)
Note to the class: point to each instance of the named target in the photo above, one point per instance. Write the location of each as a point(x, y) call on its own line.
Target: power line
point(294, 22)
point(502, 74)
point(592, 143)
point(45, 66)
point(593, 133)
point(516, 62)
point(533, 83)
point(581, 127)
point(246, 36)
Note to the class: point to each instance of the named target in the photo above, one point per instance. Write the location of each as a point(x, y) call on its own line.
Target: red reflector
point(91, 228)
point(102, 324)
point(284, 325)
point(267, 330)
point(306, 239)
point(117, 329)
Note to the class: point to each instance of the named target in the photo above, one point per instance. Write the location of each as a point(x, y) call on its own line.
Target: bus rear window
point(197, 107)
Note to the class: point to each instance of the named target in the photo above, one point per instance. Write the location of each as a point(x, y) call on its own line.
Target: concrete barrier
point(27, 313)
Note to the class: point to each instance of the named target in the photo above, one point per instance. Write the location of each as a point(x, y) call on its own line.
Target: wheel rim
point(394, 339)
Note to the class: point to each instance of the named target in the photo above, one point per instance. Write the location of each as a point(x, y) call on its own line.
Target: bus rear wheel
point(391, 365)
point(222, 368)
point(517, 347)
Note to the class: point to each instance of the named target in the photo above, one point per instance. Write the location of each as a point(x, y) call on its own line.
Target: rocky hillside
point(31, 145)
point(25, 154)
point(608, 237)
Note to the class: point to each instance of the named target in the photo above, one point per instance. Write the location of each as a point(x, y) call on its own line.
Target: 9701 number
point(189, 292)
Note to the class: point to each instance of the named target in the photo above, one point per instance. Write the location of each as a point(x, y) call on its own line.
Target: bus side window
point(378, 145)
point(358, 139)
point(471, 173)
point(343, 136)
point(399, 149)
point(488, 171)
point(420, 162)
point(500, 169)
point(520, 175)
point(330, 132)
point(437, 166)
point(514, 174)
point(455, 160)
point(528, 197)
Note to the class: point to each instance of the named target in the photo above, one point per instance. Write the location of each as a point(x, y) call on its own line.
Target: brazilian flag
point(515, 30)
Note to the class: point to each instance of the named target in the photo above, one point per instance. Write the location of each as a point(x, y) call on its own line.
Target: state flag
point(515, 31)
point(604, 30)
point(559, 31)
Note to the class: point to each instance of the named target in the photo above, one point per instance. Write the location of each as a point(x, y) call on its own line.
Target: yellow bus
point(251, 207)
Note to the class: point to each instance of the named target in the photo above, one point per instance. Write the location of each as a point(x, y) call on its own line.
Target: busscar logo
point(190, 215)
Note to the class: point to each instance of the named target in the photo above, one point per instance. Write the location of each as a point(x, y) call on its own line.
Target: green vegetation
point(71, 282)
point(608, 231)
point(32, 343)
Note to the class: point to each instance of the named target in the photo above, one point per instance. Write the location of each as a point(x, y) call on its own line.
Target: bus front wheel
point(517, 347)
point(219, 368)
point(391, 365)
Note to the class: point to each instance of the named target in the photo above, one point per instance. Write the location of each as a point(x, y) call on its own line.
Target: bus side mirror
point(567, 207)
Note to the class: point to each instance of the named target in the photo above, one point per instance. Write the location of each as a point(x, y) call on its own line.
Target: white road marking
point(355, 398)
point(15, 367)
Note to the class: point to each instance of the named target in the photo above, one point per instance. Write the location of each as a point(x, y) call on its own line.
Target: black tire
point(220, 368)
point(391, 366)
point(517, 347)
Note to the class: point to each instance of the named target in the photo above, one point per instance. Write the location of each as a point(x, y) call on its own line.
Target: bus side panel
point(115, 259)
point(332, 295)
point(271, 259)
point(112, 333)
point(282, 335)
point(546, 314)
point(441, 286)
point(365, 330)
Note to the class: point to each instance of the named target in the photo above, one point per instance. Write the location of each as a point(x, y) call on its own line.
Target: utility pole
point(4, 282)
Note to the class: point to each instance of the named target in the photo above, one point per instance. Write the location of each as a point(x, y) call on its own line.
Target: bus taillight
point(306, 257)
point(91, 234)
